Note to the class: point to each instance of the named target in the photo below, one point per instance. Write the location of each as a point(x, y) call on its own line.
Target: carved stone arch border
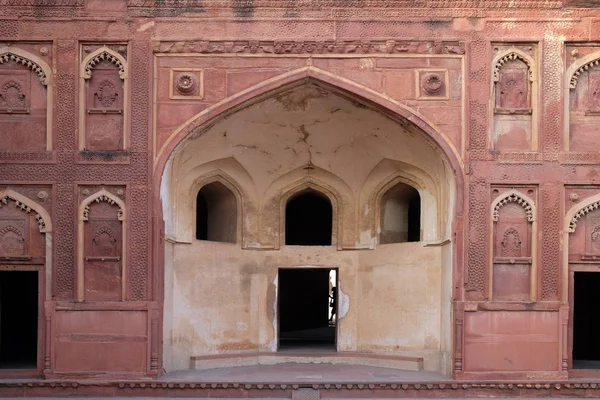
point(230, 183)
point(530, 207)
point(570, 83)
point(382, 188)
point(575, 213)
point(514, 196)
point(499, 60)
point(509, 55)
point(85, 73)
point(336, 207)
point(45, 226)
point(82, 216)
point(44, 72)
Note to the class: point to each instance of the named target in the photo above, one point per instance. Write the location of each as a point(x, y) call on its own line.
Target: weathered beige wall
point(221, 297)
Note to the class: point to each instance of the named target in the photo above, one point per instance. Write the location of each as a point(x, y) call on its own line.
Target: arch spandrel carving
point(579, 67)
point(27, 205)
point(513, 196)
point(31, 61)
point(103, 54)
point(510, 55)
point(583, 211)
point(102, 195)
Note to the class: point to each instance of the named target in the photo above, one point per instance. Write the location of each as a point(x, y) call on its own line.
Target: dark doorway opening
point(586, 320)
point(400, 215)
point(18, 319)
point(308, 303)
point(308, 220)
point(216, 214)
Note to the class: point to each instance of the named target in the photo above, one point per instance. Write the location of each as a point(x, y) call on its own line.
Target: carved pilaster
point(458, 336)
point(154, 343)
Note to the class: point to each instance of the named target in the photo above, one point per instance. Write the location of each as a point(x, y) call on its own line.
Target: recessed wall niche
point(103, 108)
point(513, 245)
point(26, 96)
point(582, 98)
point(513, 101)
point(102, 265)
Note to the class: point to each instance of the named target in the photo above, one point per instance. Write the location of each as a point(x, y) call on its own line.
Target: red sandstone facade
point(96, 96)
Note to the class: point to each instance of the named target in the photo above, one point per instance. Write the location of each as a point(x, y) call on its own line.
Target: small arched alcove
point(400, 215)
point(308, 219)
point(216, 214)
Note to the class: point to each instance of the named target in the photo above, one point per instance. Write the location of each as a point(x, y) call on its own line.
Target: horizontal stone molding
point(500, 4)
point(390, 46)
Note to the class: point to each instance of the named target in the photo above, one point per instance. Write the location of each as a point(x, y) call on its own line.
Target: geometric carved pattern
point(26, 208)
point(581, 213)
point(106, 93)
point(104, 240)
point(311, 47)
point(12, 97)
point(511, 248)
point(86, 209)
point(511, 57)
point(103, 56)
point(12, 240)
point(28, 63)
point(513, 197)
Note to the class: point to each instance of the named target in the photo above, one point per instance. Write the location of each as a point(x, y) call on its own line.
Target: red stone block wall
point(526, 134)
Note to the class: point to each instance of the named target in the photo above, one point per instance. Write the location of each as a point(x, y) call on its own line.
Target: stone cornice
point(299, 4)
point(311, 47)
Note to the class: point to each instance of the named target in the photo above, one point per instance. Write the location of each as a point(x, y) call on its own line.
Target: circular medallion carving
point(12, 244)
point(85, 192)
point(42, 194)
point(44, 51)
point(186, 83)
point(432, 83)
point(120, 192)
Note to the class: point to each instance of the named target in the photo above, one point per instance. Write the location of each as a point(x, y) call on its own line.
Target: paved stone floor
point(303, 373)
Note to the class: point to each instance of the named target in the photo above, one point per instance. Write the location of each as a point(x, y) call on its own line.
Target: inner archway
point(317, 139)
point(308, 219)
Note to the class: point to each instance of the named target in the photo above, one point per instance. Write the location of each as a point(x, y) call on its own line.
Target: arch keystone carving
point(513, 197)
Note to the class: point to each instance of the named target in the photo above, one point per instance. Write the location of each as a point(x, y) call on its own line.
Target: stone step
point(406, 363)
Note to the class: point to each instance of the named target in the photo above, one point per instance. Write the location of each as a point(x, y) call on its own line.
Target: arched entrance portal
point(393, 296)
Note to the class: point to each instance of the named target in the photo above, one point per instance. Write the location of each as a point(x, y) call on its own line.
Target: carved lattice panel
point(103, 247)
point(104, 108)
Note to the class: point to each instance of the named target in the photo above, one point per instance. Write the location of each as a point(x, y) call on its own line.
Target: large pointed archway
point(309, 130)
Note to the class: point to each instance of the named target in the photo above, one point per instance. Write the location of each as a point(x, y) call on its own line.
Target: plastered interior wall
point(221, 297)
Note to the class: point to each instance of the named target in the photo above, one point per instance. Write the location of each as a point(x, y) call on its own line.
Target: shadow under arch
point(402, 114)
